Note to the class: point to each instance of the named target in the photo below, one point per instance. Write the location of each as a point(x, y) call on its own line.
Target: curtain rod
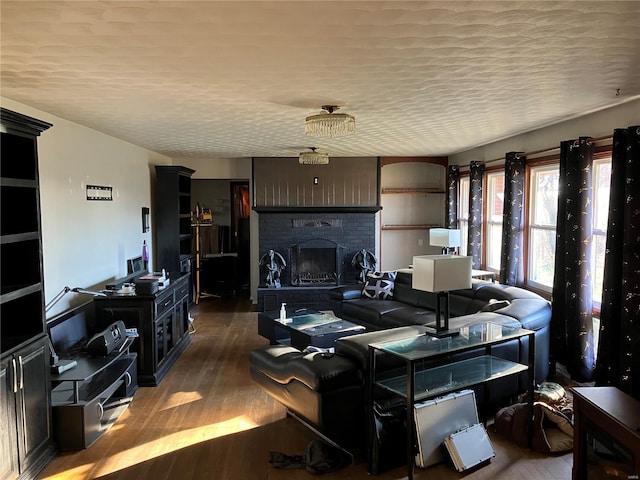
point(550, 149)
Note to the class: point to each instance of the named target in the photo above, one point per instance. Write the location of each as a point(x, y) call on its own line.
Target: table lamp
point(446, 238)
point(440, 274)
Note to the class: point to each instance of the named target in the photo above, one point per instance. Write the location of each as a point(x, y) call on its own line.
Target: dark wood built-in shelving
point(25, 406)
point(173, 217)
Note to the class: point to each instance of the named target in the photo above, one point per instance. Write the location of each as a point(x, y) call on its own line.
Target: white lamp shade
point(444, 237)
point(441, 273)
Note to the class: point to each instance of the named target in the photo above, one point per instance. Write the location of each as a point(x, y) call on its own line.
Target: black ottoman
point(322, 389)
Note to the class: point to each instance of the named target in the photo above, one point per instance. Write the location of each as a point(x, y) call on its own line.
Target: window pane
point(464, 235)
point(496, 197)
point(463, 214)
point(494, 239)
point(544, 195)
point(463, 201)
point(601, 183)
point(542, 248)
point(601, 188)
point(493, 224)
point(543, 210)
point(599, 246)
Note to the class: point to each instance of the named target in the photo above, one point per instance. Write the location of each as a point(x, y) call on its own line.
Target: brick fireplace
point(317, 217)
point(318, 247)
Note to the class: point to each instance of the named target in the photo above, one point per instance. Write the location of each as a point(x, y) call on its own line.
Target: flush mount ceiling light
point(329, 124)
point(313, 157)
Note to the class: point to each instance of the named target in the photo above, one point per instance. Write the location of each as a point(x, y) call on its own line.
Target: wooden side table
point(612, 418)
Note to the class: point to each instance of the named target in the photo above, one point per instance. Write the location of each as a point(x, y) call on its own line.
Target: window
point(543, 209)
point(601, 187)
point(463, 213)
point(493, 233)
point(540, 226)
point(543, 203)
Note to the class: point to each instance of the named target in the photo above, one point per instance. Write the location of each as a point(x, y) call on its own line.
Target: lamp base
point(432, 332)
point(442, 329)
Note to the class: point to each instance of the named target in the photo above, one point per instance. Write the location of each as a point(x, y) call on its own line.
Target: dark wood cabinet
point(162, 321)
point(25, 410)
point(606, 440)
point(172, 219)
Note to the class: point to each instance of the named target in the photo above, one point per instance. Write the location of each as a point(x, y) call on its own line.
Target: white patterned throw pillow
point(379, 285)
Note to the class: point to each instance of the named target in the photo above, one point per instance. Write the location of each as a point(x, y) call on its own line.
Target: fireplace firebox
point(316, 262)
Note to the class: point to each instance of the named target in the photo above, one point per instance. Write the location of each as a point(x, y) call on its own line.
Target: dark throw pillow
point(379, 285)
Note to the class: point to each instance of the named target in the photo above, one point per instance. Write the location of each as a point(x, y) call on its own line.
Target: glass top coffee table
point(305, 327)
point(431, 372)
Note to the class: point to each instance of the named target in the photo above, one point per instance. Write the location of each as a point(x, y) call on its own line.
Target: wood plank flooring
point(208, 420)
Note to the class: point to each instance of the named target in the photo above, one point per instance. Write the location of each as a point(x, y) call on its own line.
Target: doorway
point(240, 211)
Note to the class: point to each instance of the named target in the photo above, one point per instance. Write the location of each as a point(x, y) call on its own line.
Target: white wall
point(221, 168)
point(86, 243)
point(596, 125)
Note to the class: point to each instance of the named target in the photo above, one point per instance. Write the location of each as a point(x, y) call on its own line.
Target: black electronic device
point(110, 339)
point(63, 365)
point(118, 283)
point(146, 287)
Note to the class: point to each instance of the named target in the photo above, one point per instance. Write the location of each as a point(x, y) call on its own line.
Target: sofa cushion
point(409, 316)
point(379, 285)
point(368, 312)
point(487, 291)
point(320, 372)
point(356, 347)
point(532, 314)
point(403, 290)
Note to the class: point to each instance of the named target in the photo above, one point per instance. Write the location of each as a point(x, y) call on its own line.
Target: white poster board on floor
point(438, 418)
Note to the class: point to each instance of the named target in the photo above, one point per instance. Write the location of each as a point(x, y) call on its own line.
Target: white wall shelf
point(413, 200)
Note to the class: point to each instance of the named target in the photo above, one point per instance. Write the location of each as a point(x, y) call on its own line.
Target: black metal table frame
point(271, 328)
point(410, 393)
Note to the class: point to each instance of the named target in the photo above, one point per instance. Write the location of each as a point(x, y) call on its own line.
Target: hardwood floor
point(208, 420)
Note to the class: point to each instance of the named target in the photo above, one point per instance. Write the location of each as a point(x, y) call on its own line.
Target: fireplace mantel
point(348, 209)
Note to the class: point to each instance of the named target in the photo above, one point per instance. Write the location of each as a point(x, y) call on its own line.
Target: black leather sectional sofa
point(328, 391)
point(483, 302)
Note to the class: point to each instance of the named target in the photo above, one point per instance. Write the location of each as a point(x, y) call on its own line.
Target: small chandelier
point(313, 157)
point(329, 124)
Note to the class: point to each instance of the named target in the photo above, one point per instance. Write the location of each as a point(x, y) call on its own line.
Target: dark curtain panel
point(511, 262)
point(453, 183)
point(474, 248)
point(618, 360)
point(572, 304)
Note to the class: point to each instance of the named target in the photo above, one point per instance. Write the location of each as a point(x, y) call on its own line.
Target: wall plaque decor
point(96, 192)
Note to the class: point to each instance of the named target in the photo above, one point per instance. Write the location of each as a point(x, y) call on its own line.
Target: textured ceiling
point(236, 79)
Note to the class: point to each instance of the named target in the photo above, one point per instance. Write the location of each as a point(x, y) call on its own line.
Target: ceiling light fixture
point(313, 157)
point(329, 124)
